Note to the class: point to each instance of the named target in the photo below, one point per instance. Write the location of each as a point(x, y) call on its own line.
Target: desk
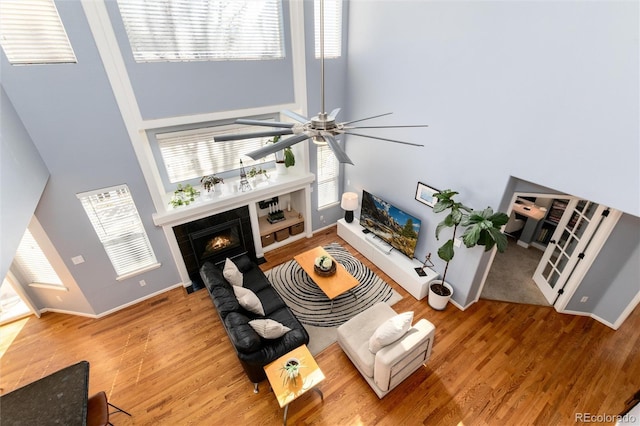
point(57, 399)
point(533, 214)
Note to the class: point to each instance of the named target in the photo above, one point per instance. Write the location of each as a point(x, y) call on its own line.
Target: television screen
point(389, 223)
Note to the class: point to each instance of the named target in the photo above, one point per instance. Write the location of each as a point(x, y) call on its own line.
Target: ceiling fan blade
point(237, 137)
point(334, 114)
point(336, 148)
point(275, 147)
point(368, 118)
point(295, 116)
point(382, 139)
point(386, 127)
point(264, 123)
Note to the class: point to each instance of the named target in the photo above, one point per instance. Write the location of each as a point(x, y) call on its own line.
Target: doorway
point(547, 258)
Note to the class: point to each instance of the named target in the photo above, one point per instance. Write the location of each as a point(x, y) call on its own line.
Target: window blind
point(31, 32)
point(33, 264)
point(203, 30)
point(115, 219)
point(332, 28)
point(328, 174)
point(194, 153)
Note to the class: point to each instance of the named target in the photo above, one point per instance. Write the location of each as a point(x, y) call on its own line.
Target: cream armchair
point(394, 362)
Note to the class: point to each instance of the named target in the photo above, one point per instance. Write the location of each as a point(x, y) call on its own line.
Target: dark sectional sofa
point(253, 351)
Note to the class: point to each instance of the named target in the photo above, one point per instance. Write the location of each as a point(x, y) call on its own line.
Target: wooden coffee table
point(333, 285)
point(309, 378)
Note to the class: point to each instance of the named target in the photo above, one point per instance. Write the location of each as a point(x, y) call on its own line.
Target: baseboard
point(111, 311)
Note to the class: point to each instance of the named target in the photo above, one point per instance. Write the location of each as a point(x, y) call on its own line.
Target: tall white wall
point(546, 92)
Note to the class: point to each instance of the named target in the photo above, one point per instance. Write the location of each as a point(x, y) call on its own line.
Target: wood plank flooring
point(168, 361)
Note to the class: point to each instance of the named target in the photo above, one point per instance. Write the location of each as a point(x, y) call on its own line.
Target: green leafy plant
point(183, 195)
point(481, 228)
point(290, 370)
point(209, 181)
point(286, 156)
point(256, 172)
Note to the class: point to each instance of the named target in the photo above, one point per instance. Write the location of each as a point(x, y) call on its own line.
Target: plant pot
point(437, 301)
point(281, 169)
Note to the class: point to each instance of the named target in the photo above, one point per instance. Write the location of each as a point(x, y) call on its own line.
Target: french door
point(567, 246)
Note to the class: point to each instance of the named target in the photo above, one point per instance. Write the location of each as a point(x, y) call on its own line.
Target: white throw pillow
point(268, 328)
point(390, 331)
point(248, 300)
point(232, 273)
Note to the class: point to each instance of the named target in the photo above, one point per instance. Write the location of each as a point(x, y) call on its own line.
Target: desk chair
point(98, 410)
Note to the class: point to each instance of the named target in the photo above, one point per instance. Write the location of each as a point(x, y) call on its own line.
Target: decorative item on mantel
point(244, 185)
point(183, 195)
point(349, 204)
point(209, 182)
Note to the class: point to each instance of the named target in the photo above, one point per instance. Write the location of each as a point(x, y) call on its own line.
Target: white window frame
point(332, 28)
point(203, 30)
point(31, 32)
point(327, 177)
point(191, 154)
point(37, 263)
point(116, 220)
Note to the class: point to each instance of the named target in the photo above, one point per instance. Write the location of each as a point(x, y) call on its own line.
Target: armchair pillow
point(232, 273)
point(268, 328)
point(248, 300)
point(390, 331)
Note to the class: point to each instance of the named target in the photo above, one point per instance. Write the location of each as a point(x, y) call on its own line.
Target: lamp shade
point(349, 201)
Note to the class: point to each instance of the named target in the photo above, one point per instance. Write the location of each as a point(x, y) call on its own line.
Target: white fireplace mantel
point(222, 201)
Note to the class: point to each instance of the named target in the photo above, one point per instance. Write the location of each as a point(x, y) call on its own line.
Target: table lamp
point(349, 204)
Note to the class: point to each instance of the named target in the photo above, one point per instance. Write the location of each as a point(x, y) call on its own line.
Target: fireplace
point(217, 242)
point(213, 239)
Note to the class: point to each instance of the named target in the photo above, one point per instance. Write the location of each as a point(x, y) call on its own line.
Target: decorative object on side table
point(324, 266)
point(426, 195)
point(481, 228)
point(349, 203)
point(290, 370)
point(183, 195)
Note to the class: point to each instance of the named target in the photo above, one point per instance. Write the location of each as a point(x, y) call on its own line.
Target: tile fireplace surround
point(295, 186)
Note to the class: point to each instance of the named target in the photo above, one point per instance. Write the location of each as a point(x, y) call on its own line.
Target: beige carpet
point(511, 276)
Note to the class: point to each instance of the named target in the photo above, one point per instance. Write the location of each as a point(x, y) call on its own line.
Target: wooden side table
point(309, 378)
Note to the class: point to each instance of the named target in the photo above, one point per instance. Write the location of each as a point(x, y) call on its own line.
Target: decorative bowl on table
point(324, 266)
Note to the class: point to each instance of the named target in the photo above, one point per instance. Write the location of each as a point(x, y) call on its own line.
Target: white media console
point(395, 264)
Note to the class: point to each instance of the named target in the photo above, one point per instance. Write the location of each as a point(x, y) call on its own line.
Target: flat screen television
point(390, 224)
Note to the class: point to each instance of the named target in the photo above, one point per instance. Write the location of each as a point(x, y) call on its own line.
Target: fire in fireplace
point(217, 242)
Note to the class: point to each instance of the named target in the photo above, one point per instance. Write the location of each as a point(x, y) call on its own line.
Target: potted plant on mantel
point(284, 158)
point(481, 228)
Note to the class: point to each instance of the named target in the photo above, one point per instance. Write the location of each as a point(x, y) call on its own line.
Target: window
point(194, 153)
point(33, 265)
point(332, 28)
point(328, 174)
point(115, 219)
point(205, 30)
point(31, 32)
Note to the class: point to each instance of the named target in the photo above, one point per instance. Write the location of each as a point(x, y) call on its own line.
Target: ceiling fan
point(322, 129)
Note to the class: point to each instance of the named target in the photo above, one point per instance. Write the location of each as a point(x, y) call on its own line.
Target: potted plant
point(183, 195)
point(480, 228)
point(208, 182)
point(284, 158)
point(290, 370)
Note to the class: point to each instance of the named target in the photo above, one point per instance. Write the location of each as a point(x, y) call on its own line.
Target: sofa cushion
point(255, 280)
point(270, 300)
point(232, 273)
point(268, 328)
point(390, 331)
point(248, 300)
point(243, 337)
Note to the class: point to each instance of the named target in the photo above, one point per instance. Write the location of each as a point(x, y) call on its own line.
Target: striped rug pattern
point(311, 305)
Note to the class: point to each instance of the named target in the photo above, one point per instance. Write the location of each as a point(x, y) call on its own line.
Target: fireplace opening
point(217, 242)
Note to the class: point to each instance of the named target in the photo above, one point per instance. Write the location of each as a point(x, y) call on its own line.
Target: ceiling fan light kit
point(322, 129)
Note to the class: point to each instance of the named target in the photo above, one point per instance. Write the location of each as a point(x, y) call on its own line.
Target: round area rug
point(312, 307)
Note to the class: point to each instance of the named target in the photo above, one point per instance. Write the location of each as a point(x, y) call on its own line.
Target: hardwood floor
point(168, 361)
